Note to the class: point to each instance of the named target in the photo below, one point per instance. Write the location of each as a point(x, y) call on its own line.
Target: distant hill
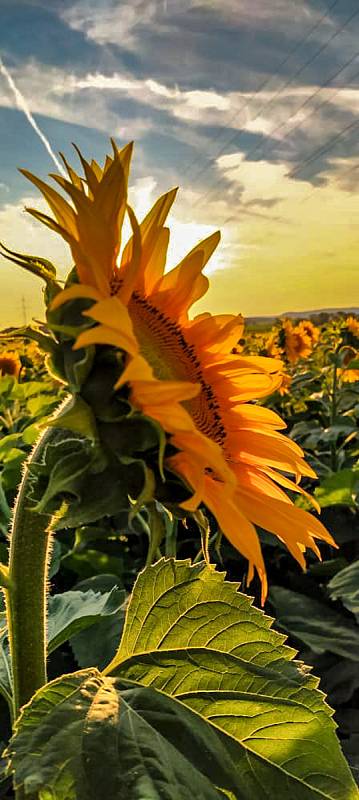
point(317, 314)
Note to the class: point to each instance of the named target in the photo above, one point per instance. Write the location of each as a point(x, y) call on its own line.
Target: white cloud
point(108, 21)
point(88, 98)
point(111, 22)
point(181, 103)
point(58, 98)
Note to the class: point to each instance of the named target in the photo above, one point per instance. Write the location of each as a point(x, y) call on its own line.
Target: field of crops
point(94, 564)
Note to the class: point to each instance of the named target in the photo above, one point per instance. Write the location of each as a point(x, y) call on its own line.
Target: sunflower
point(352, 324)
point(285, 385)
point(271, 347)
point(306, 328)
point(182, 371)
point(296, 342)
point(349, 375)
point(10, 364)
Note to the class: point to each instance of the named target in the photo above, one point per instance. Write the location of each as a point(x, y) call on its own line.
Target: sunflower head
point(10, 364)
point(347, 373)
point(306, 328)
point(285, 385)
point(161, 386)
point(350, 332)
point(295, 341)
point(272, 348)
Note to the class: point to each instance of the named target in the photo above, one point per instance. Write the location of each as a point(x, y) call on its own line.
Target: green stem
point(333, 414)
point(26, 599)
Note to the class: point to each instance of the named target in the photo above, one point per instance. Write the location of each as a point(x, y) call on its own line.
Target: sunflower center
point(164, 346)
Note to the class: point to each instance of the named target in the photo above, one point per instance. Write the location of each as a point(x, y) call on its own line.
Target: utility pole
point(24, 310)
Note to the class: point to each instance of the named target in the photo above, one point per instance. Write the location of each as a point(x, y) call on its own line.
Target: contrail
point(22, 104)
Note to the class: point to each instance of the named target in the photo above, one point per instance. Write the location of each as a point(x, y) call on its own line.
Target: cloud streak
point(23, 106)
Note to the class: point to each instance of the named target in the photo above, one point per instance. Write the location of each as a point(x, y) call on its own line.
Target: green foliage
point(74, 611)
point(345, 586)
point(316, 624)
point(205, 698)
point(340, 488)
point(105, 467)
point(86, 736)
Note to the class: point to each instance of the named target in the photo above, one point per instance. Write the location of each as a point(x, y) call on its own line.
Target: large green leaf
point(191, 635)
point(316, 624)
point(75, 611)
point(345, 586)
point(340, 488)
point(85, 736)
point(202, 698)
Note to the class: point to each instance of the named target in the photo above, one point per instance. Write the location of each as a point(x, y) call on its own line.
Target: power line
point(266, 149)
point(324, 149)
point(270, 101)
point(24, 310)
point(266, 82)
point(237, 135)
point(341, 175)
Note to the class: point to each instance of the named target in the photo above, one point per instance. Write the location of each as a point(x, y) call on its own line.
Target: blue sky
point(250, 106)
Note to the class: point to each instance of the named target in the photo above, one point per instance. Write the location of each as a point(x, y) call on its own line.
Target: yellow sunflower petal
point(218, 334)
point(293, 487)
point(204, 453)
point(130, 271)
point(50, 223)
point(64, 214)
point(248, 386)
point(259, 481)
point(101, 334)
point(263, 449)
point(137, 369)
point(237, 528)
point(91, 177)
point(159, 392)
point(154, 243)
point(174, 419)
point(253, 417)
point(75, 292)
point(74, 177)
point(179, 289)
point(114, 314)
point(291, 524)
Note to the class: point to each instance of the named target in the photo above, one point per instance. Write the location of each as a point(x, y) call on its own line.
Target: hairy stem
point(26, 604)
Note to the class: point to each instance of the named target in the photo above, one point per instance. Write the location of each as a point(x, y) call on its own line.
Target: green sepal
point(40, 267)
point(146, 494)
point(104, 494)
point(204, 529)
point(97, 388)
point(76, 417)
point(45, 342)
point(71, 367)
point(64, 478)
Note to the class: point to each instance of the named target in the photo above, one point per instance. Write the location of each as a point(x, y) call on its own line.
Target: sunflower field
point(178, 528)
